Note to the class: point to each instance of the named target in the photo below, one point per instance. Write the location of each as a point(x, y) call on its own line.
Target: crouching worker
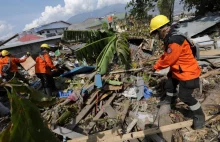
point(184, 69)
point(43, 69)
point(10, 68)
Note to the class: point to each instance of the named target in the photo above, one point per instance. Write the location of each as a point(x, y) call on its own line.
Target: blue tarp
point(78, 70)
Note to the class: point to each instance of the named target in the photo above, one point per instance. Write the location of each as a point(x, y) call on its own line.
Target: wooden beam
point(134, 135)
point(125, 110)
point(80, 116)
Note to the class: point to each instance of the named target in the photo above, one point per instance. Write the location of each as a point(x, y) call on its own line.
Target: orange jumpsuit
point(44, 66)
point(178, 56)
point(14, 61)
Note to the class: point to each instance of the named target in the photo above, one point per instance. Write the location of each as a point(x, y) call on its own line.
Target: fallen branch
point(134, 135)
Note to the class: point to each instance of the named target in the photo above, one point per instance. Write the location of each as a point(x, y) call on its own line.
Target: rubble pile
point(122, 104)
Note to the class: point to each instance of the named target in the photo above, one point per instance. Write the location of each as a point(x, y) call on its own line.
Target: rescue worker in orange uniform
point(184, 69)
point(13, 65)
point(43, 69)
point(1, 64)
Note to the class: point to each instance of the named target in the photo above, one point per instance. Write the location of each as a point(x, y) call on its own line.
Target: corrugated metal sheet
point(195, 27)
point(15, 44)
point(54, 25)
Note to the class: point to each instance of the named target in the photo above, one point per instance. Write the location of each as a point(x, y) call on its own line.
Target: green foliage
point(113, 82)
point(84, 36)
point(119, 45)
point(104, 50)
point(140, 8)
point(26, 122)
point(202, 6)
point(166, 7)
point(91, 51)
point(105, 26)
point(36, 97)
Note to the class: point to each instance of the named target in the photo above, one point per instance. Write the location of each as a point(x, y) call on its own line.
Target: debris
point(139, 134)
point(3, 110)
point(115, 103)
point(66, 132)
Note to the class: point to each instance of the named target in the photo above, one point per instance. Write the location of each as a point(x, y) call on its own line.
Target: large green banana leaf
point(106, 56)
point(119, 45)
point(85, 36)
point(91, 51)
point(26, 123)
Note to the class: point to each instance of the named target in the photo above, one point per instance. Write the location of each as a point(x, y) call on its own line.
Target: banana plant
point(26, 123)
point(104, 51)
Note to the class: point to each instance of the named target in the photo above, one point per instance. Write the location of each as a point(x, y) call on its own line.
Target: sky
point(19, 15)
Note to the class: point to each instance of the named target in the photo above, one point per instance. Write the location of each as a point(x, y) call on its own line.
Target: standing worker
point(10, 63)
point(184, 69)
point(1, 64)
point(43, 68)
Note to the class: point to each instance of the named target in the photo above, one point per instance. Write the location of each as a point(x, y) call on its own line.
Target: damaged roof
point(193, 28)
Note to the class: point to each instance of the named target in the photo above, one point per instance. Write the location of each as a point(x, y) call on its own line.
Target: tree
point(104, 26)
point(202, 6)
point(140, 8)
point(166, 7)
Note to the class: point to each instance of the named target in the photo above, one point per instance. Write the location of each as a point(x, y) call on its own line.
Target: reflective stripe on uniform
point(195, 107)
point(170, 94)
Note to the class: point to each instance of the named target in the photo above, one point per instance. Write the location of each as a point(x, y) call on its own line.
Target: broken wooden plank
point(214, 52)
point(110, 111)
point(92, 97)
point(67, 133)
point(112, 88)
point(80, 116)
point(125, 110)
point(99, 114)
point(135, 135)
point(142, 125)
point(131, 125)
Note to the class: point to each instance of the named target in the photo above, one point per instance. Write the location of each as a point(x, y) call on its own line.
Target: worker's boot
point(48, 91)
point(198, 117)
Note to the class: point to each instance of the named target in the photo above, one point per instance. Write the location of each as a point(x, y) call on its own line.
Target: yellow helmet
point(45, 46)
point(157, 22)
point(5, 53)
